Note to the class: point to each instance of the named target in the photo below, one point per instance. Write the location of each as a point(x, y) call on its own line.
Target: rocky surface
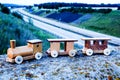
point(80, 67)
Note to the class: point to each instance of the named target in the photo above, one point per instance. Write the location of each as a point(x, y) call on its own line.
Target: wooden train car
point(33, 49)
point(54, 49)
point(96, 45)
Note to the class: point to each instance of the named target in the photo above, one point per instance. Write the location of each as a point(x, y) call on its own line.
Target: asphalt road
point(64, 30)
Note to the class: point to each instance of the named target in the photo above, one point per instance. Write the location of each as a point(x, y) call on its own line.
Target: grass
point(14, 28)
point(99, 22)
point(104, 23)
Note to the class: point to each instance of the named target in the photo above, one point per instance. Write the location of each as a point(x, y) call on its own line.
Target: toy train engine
point(33, 49)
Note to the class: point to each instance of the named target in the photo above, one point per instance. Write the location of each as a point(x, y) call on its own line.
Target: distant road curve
point(64, 26)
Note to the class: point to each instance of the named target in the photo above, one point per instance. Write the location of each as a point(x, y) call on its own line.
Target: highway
point(64, 30)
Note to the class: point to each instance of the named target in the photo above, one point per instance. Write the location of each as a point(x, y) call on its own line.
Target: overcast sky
point(31, 2)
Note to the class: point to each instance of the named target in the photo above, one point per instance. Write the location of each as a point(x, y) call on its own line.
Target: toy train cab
point(33, 49)
point(54, 49)
point(96, 45)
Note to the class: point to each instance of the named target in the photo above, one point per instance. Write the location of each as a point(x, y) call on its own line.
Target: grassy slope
point(104, 23)
point(13, 28)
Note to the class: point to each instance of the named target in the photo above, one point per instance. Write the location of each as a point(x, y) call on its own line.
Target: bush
point(48, 11)
point(30, 21)
point(118, 8)
point(105, 11)
point(13, 28)
point(17, 15)
point(5, 10)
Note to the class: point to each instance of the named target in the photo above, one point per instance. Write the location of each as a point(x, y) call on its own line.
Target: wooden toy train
point(33, 49)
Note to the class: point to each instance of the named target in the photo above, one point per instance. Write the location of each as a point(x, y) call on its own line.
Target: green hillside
point(14, 28)
point(104, 23)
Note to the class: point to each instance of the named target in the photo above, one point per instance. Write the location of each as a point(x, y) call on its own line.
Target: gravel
point(80, 67)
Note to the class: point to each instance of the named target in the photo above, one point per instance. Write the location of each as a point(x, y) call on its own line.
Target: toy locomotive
point(33, 49)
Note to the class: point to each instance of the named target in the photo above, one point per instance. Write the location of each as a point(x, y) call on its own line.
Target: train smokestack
point(13, 43)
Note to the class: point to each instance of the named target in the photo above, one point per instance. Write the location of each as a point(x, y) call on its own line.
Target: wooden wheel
point(89, 52)
point(38, 55)
point(54, 53)
point(19, 59)
point(107, 51)
point(72, 53)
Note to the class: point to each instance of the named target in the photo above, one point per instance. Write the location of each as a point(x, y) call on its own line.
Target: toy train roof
point(34, 41)
point(62, 40)
point(95, 38)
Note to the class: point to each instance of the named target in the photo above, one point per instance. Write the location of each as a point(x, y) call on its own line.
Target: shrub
point(13, 28)
point(30, 21)
point(105, 11)
point(118, 8)
point(17, 15)
point(5, 10)
point(48, 11)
